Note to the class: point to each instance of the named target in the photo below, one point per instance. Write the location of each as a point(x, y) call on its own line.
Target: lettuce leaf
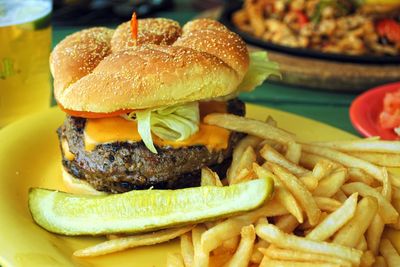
point(175, 123)
point(260, 69)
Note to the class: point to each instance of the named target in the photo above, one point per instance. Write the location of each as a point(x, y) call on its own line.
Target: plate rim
point(252, 108)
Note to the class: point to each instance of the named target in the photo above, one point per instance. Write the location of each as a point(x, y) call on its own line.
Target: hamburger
point(134, 99)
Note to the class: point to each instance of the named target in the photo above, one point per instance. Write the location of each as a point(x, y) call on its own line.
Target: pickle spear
point(143, 210)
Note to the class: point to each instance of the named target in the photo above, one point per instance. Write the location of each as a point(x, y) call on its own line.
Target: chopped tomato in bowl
point(390, 116)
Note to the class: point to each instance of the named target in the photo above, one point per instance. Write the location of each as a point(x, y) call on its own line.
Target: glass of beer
point(25, 40)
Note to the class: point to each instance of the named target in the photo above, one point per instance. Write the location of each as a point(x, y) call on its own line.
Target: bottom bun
point(78, 186)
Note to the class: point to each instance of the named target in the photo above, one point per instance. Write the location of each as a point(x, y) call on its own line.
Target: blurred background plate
point(321, 73)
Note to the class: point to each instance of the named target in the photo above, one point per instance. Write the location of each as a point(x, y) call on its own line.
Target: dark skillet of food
point(353, 27)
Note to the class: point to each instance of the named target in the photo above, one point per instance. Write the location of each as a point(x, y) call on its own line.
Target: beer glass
point(25, 40)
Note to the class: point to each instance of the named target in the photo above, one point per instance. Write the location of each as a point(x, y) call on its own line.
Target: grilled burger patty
point(123, 166)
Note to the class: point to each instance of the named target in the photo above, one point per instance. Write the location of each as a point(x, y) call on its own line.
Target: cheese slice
point(117, 129)
point(67, 153)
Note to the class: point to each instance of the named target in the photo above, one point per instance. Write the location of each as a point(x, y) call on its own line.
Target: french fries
point(301, 194)
point(364, 146)
point(248, 141)
point(249, 126)
point(386, 210)
point(275, 253)
point(351, 233)
point(123, 243)
point(273, 235)
point(332, 205)
point(241, 258)
point(390, 254)
point(281, 193)
point(334, 221)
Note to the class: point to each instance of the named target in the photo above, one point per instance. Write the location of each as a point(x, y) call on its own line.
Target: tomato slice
point(390, 116)
point(93, 115)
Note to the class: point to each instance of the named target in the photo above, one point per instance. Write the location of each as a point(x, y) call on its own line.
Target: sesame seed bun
point(205, 62)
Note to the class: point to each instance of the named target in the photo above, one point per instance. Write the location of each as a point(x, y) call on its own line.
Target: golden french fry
point(214, 237)
point(387, 186)
point(387, 212)
point(309, 160)
point(201, 258)
point(381, 159)
point(367, 259)
point(340, 196)
point(380, 262)
point(208, 177)
point(345, 159)
point(293, 152)
point(329, 185)
point(243, 176)
point(187, 249)
point(322, 169)
point(271, 155)
point(287, 223)
point(241, 258)
point(394, 179)
point(349, 235)
point(374, 234)
point(334, 221)
point(219, 259)
point(396, 193)
point(309, 181)
point(243, 144)
point(249, 126)
point(245, 163)
point(300, 193)
point(123, 243)
point(362, 244)
point(278, 263)
point(358, 175)
point(174, 260)
point(256, 256)
point(306, 226)
point(275, 253)
point(390, 254)
point(281, 193)
point(231, 244)
point(273, 235)
point(396, 205)
point(327, 204)
point(364, 146)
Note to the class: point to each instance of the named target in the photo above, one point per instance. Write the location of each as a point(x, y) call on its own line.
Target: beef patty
point(123, 166)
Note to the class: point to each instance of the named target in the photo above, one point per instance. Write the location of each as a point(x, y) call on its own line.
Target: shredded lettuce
point(175, 123)
point(260, 69)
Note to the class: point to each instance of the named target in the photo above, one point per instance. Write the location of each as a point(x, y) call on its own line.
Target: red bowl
point(365, 110)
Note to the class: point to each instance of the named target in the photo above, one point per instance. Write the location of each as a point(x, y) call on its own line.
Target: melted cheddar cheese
point(65, 148)
point(117, 129)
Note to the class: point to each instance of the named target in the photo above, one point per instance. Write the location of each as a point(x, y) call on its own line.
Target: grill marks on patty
point(123, 166)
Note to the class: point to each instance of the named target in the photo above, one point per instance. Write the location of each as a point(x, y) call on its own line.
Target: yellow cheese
point(67, 153)
point(117, 129)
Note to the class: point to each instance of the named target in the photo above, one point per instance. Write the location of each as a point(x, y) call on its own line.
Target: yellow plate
point(30, 157)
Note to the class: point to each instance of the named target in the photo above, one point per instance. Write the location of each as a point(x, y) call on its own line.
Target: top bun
point(99, 70)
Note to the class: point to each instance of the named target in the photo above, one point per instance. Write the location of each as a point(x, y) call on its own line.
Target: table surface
point(325, 106)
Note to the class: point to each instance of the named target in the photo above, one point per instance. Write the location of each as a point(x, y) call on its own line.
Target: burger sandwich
point(135, 97)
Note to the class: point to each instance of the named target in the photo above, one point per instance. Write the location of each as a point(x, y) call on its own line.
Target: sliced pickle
point(143, 210)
